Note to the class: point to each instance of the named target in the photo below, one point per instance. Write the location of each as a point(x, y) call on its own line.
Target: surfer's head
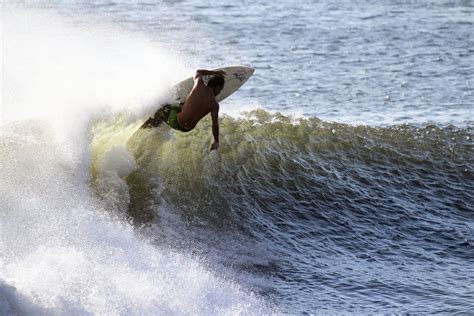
point(216, 83)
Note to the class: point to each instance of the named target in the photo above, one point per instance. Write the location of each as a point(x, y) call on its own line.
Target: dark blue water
point(344, 181)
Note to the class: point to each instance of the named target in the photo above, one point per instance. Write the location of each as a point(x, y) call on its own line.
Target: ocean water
point(343, 183)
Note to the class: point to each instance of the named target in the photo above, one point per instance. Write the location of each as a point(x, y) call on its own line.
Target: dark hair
point(216, 81)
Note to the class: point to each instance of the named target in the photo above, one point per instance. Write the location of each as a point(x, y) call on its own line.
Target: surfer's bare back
point(199, 102)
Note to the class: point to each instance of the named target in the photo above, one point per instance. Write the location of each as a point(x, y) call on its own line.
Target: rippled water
point(343, 183)
point(356, 62)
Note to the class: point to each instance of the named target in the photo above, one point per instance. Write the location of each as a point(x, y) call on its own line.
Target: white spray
point(60, 251)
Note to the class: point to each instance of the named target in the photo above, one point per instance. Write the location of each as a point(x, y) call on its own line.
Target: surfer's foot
point(150, 123)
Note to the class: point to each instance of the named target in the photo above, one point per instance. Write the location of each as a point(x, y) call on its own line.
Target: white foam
point(52, 67)
point(61, 251)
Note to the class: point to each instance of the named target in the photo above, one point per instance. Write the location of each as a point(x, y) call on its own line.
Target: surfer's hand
point(214, 146)
point(220, 73)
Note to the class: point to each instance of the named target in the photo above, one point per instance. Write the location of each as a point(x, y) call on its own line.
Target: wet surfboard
point(235, 77)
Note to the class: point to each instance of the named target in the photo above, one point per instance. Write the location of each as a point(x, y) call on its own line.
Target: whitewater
point(62, 252)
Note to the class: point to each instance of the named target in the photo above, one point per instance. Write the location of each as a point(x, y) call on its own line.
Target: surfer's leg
point(160, 116)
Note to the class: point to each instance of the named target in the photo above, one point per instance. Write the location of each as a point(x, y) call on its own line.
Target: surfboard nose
point(248, 70)
point(242, 73)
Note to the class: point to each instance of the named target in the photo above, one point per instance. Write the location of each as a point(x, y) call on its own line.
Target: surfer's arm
point(204, 72)
point(215, 126)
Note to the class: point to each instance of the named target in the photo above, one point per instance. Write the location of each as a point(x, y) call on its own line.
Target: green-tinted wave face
point(286, 167)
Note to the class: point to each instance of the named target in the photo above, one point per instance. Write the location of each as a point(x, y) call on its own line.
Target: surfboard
point(235, 77)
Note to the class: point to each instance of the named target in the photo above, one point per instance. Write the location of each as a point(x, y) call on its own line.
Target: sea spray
point(63, 251)
point(56, 69)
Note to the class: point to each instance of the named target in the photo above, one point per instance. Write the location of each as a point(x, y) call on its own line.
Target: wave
point(284, 194)
point(266, 155)
point(276, 187)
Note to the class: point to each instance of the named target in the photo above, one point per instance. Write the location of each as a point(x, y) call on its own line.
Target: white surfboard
point(235, 77)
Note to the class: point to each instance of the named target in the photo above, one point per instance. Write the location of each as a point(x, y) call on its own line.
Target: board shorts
point(168, 113)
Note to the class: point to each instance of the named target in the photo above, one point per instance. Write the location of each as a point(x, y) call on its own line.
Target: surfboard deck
point(235, 77)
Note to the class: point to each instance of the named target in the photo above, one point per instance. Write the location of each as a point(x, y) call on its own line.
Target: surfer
point(200, 102)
